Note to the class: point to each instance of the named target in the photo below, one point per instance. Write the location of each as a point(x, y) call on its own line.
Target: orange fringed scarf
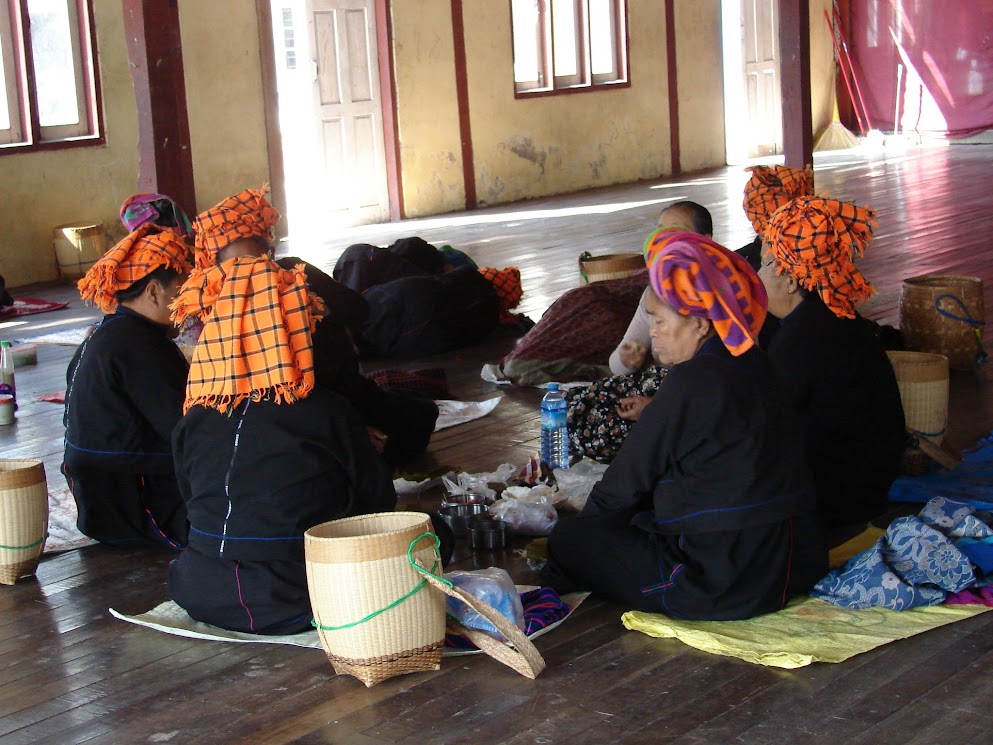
point(507, 286)
point(256, 341)
point(817, 241)
point(699, 277)
point(245, 215)
point(140, 253)
point(770, 188)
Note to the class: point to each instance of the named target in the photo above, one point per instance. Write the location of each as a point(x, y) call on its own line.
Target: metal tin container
point(487, 534)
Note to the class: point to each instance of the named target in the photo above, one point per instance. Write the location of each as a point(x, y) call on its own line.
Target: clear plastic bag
point(478, 483)
point(576, 482)
point(494, 587)
point(526, 517)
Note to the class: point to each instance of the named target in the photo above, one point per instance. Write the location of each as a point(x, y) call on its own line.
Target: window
point(48, 73)
point(289, 39)
point(568, 44)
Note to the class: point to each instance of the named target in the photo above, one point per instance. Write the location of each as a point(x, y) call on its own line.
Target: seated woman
point(262, 453)
point(708, 510)
point(601, 415)
point(399, 424)
point(830, 360)
point(124, 396)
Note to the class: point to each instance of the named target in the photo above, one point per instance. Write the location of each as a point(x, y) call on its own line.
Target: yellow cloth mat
point(807, 630)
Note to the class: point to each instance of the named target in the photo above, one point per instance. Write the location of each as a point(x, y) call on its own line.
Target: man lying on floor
point(124, 395)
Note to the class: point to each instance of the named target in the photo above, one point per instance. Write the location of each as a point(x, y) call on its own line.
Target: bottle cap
point(553, 386)
point(4, 343)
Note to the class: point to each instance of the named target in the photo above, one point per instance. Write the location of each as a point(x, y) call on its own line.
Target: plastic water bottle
point(7, 386)
point(554, 429)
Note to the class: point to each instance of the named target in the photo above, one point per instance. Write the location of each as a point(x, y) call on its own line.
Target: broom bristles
point(836, 137)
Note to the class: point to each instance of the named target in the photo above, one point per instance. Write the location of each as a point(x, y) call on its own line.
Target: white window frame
point(542, 14)
point(25, 129)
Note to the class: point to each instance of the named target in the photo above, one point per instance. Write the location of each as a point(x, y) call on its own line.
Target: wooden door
point(761, 57)
point(348, 105)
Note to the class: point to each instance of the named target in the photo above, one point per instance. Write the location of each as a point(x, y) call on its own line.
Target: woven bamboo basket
point(23, 517)
point(375, 615)
point(78, 246)
point(609, 266)
point(923, 381)
point(943, 314)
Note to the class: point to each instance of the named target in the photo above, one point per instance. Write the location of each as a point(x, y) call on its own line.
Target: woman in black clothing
point(707, 511)
point(829, 360)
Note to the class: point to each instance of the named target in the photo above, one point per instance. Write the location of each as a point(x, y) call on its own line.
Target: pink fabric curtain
point(946, 50)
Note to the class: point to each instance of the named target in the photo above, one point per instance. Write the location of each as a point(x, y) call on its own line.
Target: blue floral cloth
point(970, 481)
point(918, 561)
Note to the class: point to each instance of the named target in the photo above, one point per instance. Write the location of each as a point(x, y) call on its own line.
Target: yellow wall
point(821, 67)
point(45, 189)
point(224, 97)
point(701, 84)
point(428, 115)
point(522, 148)
point(227, 130)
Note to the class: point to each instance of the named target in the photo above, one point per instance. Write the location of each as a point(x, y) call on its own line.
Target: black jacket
point(837, 375)
point(256, 479)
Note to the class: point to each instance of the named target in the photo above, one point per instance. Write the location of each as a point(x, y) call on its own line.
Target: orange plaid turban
point(140, 253)
point(817, 240)
point(256, 341)
point(701, 278)
point(770, 188)
point(507, 286)
point(245, 215)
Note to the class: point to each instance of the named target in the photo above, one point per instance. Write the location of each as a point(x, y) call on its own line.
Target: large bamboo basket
point(375, 615)
point(609, 266)
point(941, 314)
point(23, 517)
point(78, 246)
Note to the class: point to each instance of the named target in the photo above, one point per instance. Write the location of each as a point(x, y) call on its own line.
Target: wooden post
point(794, 71)
point(155, 56)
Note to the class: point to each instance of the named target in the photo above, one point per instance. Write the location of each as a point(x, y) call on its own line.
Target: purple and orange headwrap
point(245, 215)
point(770, 188)
point(701, 278)
point(817, 240)
point(157, 209)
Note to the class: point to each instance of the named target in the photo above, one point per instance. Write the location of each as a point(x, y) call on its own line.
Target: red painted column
point(155, 54)
point(673, 88)
point(794, 71)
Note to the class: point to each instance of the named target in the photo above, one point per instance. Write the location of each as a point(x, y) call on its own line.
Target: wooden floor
point(70, 673)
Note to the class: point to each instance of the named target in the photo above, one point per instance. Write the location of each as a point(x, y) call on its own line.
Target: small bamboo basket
point(923, 381)
point(23, 517)
point(374, 614)
point(609, 266)
point(78, 246)
point(943, 314)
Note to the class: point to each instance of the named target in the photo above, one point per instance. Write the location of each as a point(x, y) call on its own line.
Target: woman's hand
point(631, 407)
point(633, 354)
point(378, 439)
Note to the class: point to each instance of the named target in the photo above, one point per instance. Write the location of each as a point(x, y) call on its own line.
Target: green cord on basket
point(21, 548)
point(395, 603)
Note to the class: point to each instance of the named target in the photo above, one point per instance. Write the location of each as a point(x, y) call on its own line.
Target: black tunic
point(839, 378)
point(708, 509)
point(125, 390)
point(407, 419)
point(254, 482)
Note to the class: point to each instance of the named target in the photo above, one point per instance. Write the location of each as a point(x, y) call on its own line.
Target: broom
point(836, 136)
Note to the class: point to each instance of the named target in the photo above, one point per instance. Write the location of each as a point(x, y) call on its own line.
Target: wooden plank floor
point(70, 673)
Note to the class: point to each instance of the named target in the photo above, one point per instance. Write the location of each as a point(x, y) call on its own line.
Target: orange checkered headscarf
point(134, 258)
point(256, 340)
point(701, 278)
point(245, 215)
point(770, 188)
point(817, 241)
point(507, 286)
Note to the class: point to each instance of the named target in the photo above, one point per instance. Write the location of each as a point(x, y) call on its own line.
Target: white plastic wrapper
point(478, 483)
point(526, 517)
point(576, 482)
